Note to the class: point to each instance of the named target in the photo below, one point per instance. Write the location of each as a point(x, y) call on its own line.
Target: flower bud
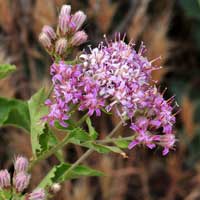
point(37, 194)
point(55, 187)
point(78, 19)
point(21, 181)
point(61, 46)
point(63, 24)
point(49, 31)
point(4, 178)
point(21, 164)
point(79, 38)
point(65, 10)
point(45, 40)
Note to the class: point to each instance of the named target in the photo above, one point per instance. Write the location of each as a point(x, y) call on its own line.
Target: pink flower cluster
point(20, 180)
point(115, 76)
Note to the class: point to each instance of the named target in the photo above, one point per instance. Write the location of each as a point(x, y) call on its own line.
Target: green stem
point(82, 119)
point(90, 151)
point(115, 129)
point(50, 152)
point(80, 160)
point(115, 139)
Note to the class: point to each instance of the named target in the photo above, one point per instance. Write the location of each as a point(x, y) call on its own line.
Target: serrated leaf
point(56, 175)
point(48, 140)
point(77, 134)
point(37, 110)
point(14, 112)
point(6, 69)
point(92, 131)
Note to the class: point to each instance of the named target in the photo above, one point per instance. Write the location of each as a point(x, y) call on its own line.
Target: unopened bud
point(79, 38)
point(4, 179)
point(21, 181)
point(78, 19)
point(45, 40)
point(65, 10)
point(21, 164)
point(49, 31)
point(37, 194)
point(55, 187)
point(63, 24)
point(61, 46)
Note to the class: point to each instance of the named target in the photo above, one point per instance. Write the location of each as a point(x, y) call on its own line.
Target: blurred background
point(169, 28)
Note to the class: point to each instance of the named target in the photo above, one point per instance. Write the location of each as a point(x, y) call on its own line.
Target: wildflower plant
point(111, 78)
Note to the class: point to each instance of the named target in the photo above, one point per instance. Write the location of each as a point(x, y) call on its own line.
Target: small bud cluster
point(20, 180)
point(67, 34)
point(115, 76)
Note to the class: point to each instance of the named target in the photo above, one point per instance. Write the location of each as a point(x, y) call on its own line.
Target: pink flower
point(113, 76)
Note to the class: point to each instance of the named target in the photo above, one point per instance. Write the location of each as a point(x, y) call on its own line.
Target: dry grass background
point(145, 175)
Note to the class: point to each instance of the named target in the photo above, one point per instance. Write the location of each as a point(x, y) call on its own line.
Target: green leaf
point(71, 125)
point(14, 112)
point(123, 144)
point(92, 131)
point(37, 110)
point(78, 136)
point(6, 69)
point(100, 148)
point(48, 140)
point(56, 175)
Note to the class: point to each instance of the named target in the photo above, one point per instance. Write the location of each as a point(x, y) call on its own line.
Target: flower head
point(113, 76)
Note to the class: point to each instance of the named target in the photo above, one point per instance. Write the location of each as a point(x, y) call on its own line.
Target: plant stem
point(115, 139)
point(80, 160)
point(82, 119)
point(115, 129)
point(50, 152)
point(90, 151)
